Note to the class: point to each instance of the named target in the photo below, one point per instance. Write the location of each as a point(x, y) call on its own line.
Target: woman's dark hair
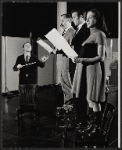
point(101, 23)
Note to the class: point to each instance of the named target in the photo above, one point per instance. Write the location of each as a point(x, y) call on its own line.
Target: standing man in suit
point(68, 33)
point(27, 64)
point(81, 34)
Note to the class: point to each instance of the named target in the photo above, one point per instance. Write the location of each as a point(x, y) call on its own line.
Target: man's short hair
point(79, 12)
point(25, 43)
point(68, 16)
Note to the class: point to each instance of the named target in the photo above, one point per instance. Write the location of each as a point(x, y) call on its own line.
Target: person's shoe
point(86, 129)
point(96, 130)
point(90, 125)
point(95, 133)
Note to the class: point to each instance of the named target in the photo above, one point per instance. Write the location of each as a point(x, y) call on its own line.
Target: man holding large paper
point(68, 34)
point(62, 43)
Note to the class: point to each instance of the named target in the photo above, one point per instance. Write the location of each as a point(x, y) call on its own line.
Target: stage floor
point(47, 136)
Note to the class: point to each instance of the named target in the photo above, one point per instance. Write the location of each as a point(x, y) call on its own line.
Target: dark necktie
point(63, 32)
point(27, 59)
point(76, 31)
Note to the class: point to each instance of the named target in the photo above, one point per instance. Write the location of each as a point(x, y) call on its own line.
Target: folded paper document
point(45, 46)
point(60, 43)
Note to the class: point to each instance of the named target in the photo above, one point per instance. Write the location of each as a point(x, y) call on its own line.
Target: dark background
point(19, 19)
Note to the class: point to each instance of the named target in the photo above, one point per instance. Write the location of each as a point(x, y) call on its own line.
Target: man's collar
point(67, 28)
point(26, 55)
point(80, 25)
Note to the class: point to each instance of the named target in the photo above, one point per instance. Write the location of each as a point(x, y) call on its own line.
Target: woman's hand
point(78, 60)
point(73, 59)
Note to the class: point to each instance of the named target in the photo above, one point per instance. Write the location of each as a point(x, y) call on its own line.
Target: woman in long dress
point(95, 69)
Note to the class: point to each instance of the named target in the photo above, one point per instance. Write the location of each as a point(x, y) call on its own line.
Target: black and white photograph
point(60, 74)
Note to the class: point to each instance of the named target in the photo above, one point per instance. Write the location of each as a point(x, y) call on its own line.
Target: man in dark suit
point(27, 64)
point(68, 33)
point(81, 34)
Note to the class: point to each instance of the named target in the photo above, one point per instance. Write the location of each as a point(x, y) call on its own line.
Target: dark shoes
point(95, 130)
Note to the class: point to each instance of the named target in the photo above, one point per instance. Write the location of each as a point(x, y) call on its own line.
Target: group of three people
point(87, 73)
point(84, 77)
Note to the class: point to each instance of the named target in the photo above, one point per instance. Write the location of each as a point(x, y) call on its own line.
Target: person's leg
point(83, 104)
point(96, 122)
point(96, 107)
point(90, 115)
point(66, 81)
point(90, 109)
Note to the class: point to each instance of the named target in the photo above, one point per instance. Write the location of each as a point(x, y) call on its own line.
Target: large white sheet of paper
point(45, 46)
point(60, 43)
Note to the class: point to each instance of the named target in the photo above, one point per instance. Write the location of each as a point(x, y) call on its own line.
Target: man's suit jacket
point(77, 41)
point(28, 74)
point(80, 37)
point(65, 76)
point(65, 60)
point(69, 35)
